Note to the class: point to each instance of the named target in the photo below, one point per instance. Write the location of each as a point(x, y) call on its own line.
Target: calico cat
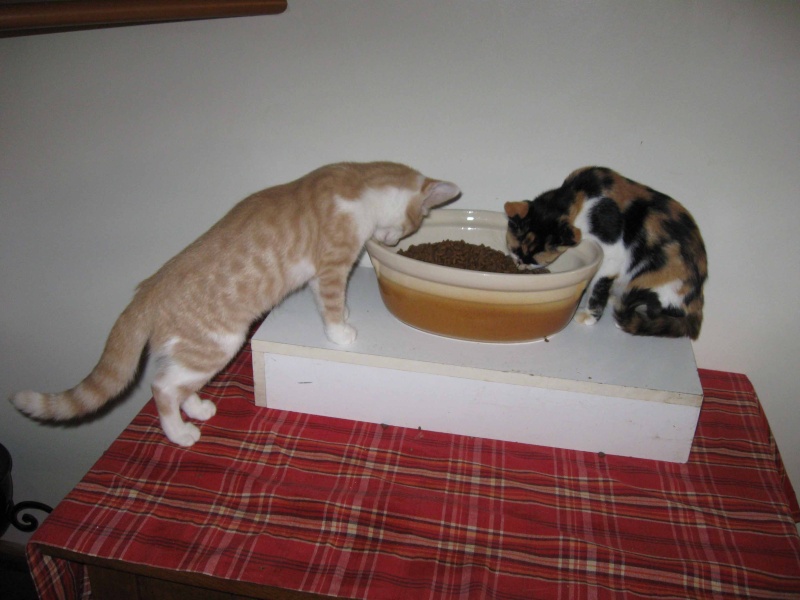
point(194, 313)
point(655, 261)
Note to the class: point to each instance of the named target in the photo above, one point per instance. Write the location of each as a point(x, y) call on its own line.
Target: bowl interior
point(489, 228)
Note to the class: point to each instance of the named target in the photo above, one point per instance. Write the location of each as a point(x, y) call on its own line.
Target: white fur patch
point(228, 342)
point(669, 293)
point(33, 404)
point(300, 273)
point(388, 235)
point(175, 375)
point(378, 212)
point(197, 408)
point(178, 431)
point(341, 333)
point(582, 219)
point(585, 317)
point(615, 257)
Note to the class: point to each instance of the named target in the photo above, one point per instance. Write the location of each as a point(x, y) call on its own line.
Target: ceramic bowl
point(478, 306)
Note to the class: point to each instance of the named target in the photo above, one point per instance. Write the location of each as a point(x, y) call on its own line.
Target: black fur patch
point(639, 298)
point(635, 217)
point(684, 230)
point(606, 221)
point(592, 181)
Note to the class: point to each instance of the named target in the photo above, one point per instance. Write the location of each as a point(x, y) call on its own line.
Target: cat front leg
point(598, 293)
point(329, 289)
point(343, 334)
point(388, 235)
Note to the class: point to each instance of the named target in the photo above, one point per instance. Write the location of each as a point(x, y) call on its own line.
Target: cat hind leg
point(641, 312)
point(175, 428)
point(197, 408)
point(174, 388)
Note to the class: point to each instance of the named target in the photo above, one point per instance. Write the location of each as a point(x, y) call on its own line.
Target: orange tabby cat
point(194, 313)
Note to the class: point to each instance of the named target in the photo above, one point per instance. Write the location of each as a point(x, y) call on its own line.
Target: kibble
point(463, 255)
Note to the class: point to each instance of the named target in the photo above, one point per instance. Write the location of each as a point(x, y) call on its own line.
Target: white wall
point(118, 147)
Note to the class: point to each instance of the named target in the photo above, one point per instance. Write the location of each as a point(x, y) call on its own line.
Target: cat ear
point(435, 193)
point(516, 209)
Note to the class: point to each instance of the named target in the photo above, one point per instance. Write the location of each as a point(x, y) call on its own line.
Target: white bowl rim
point(588, 252)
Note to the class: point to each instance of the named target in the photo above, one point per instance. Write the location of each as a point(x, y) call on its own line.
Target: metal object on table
point(10, 513)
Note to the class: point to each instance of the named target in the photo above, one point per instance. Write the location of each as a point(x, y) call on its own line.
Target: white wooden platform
point(591, 388)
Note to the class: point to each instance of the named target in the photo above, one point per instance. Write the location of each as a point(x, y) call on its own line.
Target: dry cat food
point(463, 255)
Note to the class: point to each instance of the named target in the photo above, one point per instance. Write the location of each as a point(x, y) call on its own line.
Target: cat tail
point(112, 375)
point(635, 320)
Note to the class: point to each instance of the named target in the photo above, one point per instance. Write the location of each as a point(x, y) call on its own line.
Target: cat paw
point(196, 408)
point(585, 317)
point(183, 434)
point(389, 235)
point(341, 333)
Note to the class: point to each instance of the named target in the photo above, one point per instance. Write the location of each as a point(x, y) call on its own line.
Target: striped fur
point(194, 313)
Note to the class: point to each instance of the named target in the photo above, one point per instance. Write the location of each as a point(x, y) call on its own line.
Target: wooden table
point(276, 504)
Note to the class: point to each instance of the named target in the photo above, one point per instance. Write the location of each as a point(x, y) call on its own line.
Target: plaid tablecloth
point(366, 511)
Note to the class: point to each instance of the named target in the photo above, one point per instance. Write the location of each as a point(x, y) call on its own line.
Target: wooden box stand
point(592, 388)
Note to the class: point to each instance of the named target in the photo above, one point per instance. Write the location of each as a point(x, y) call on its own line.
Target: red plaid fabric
point(367, 511)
